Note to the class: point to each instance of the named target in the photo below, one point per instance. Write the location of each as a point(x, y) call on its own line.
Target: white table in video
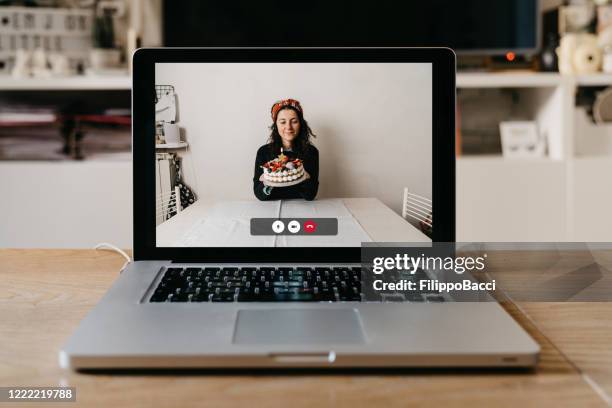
point(227, 224)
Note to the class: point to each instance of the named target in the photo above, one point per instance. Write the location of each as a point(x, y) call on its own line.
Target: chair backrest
point(167, 205)
point(418, 208)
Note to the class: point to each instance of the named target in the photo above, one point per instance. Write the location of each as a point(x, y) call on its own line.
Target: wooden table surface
point(45, 293)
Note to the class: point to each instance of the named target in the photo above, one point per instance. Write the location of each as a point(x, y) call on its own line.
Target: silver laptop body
point(126, 330)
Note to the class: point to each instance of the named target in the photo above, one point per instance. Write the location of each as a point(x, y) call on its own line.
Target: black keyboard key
point(294, 297)
point(199, 299)
point(228, 271)
point(247, 297)
point(323, 297)
point(223, 298)
point(262, 295)
point(283, 291)
point(170, 272)
point(158, 297)
point(192, 271)
point(350, 298)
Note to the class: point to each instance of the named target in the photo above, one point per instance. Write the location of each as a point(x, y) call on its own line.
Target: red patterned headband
point(285, 102)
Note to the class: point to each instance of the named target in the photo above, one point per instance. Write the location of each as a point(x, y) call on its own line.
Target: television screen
point(467, 26)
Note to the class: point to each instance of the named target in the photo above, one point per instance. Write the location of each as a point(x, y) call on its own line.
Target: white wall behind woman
point(372, 121)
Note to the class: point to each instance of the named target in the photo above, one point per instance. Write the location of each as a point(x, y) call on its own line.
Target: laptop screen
point(292, 154)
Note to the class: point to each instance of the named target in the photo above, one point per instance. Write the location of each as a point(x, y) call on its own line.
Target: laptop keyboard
point(267, 284)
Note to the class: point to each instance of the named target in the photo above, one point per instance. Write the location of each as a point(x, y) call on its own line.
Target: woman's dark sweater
point(306, 189)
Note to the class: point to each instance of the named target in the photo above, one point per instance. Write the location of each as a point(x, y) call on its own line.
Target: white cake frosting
point(283, 170)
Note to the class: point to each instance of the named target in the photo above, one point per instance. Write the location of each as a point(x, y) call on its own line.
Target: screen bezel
point(143, 145)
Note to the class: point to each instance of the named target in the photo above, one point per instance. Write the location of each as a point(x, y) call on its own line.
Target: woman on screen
point(288, 166)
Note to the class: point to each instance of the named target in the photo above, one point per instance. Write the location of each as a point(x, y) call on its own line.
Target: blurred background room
point(534, 106)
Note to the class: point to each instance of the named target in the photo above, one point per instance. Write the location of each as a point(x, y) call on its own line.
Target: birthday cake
point(283, 170)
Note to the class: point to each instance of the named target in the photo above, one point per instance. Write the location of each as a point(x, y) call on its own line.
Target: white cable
point(105, 246)
point(111, 247)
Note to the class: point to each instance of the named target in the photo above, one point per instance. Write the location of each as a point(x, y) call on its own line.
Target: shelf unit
point(563, 197)
point(171, 146)
point(593, 80)
point(66, 204)
point(78, 83)
point(557, 198)
point(507, 80)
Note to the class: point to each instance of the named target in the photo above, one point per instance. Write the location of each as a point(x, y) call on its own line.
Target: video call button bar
point(294, 226)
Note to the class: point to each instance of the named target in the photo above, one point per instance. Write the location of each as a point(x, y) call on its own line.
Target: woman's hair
point(302, 140)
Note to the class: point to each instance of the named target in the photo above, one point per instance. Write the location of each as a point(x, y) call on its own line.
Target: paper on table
point(325, 208)
point(228, 224)
point(224, 232)
point(249, 209)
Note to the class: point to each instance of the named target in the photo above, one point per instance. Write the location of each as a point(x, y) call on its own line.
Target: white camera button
point(294, 226)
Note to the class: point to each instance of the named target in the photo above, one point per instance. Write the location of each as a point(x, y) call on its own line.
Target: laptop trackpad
point(299, 326)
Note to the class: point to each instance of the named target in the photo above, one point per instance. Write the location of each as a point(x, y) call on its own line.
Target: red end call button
point(310, 226)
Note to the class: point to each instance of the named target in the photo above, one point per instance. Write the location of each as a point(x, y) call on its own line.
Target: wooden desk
point(45, 293)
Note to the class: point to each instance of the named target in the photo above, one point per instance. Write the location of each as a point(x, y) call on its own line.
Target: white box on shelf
point(56, 30)
point(46, 21)
point(521, 139)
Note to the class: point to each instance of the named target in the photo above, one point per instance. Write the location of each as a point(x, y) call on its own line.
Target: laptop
point(260, 175)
